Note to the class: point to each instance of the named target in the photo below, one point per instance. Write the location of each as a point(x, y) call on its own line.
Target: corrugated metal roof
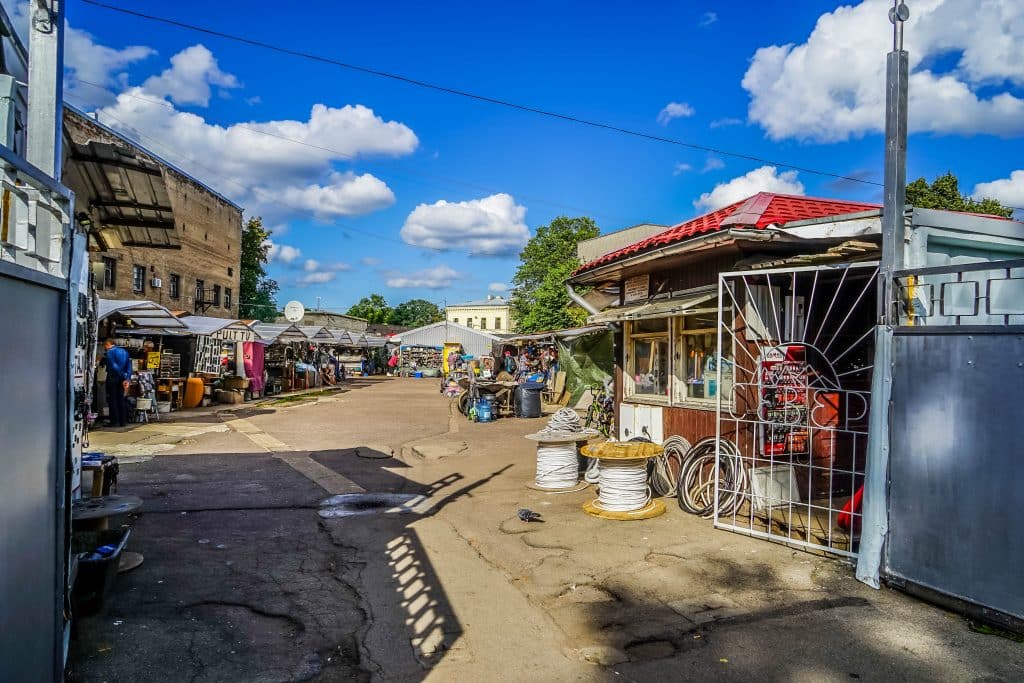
point(474, 342)
point(202, 324)
point(129, 195)
point(143, 313)
point(759, 211)
point(316, 333)
point(273, 332)
point(498, 301)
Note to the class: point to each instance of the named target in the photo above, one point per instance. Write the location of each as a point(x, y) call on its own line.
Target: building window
point(469, 323)
point(200, 286)
point(696, 367)
point(455, 320)
point(647, 358)
point(231, 271)
point(216, 295)
point(138, 279)
point(174, 285)
point(227, 298)
point(497, 323)
point(483, 323)
point(109, 273)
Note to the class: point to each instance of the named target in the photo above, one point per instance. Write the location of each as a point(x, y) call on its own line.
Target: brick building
point(157, 233)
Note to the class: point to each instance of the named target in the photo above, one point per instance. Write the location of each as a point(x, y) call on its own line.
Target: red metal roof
point(759, 211)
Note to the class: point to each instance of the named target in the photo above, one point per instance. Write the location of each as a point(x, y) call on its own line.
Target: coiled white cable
point(623, 485)
point(557, 465)
point(565, 420)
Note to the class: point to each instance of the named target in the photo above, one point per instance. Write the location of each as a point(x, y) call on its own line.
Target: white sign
point(638, 288)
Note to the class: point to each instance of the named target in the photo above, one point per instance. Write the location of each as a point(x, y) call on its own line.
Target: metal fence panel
point(957, 466)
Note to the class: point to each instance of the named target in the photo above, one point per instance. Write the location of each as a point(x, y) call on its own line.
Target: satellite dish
point(294, 311)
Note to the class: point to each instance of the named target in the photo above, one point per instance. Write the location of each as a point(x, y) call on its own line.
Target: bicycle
point(601, 412)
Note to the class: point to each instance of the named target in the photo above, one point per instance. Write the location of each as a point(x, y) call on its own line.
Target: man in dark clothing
point(119, 373)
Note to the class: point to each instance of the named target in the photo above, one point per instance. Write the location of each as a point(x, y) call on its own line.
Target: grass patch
point(300, 398)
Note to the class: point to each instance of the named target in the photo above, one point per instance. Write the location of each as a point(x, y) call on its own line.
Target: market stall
point(289, 362)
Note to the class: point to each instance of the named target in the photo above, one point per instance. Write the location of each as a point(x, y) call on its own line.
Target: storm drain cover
point(352, 504)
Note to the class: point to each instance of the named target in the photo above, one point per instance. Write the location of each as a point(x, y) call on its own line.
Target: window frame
point(138, 283)
point(112, 263)
point(228, 298)
point(677, 348)
point(629, 385)
point(483, 322)
point(174, 286)
point(216, 295)
point(497, 323)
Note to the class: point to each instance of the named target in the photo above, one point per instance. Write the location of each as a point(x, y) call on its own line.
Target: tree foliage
point(416, 313)
point(944, 193)
point(373, 308)
point(257, 293)
point(539, 300)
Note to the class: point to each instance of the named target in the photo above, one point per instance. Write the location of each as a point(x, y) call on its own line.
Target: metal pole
point(45, 85)
point(875, 527)
point(895, 179)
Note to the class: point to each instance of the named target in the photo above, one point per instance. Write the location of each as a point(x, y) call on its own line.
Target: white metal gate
point(795, 350)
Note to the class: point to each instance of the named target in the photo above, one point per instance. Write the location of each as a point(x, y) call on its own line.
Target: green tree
point(944, 193)
point(373, 308)
point(539, 300)
point(257, 293)
point(416, 313)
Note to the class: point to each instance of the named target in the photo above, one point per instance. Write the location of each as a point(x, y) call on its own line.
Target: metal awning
point(657, 309)
point(270, 333)
point(141, 313)
point(341, 337)
point(317, 334)
point(128, 194)
point(568, 333)
point(225, 328)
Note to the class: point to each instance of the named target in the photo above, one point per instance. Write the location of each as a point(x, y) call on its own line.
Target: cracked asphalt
point(243, 580)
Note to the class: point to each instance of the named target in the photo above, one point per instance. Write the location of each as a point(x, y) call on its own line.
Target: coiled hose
point(698, 475)
point(666, 467)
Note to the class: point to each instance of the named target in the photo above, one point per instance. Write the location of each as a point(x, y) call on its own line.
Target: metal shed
point(143, 313)
point(475, 342)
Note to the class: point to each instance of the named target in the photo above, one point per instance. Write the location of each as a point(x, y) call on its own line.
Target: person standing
point(119, 374)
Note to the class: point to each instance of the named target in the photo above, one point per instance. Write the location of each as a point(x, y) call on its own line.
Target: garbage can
point(527, 399)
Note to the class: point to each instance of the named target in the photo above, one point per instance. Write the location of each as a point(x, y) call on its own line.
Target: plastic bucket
point(418, 375)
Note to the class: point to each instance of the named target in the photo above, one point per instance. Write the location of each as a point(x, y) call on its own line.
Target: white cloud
point(1009, 191)
point(320, 278)
point(438, 277)
point(311, 265)
point(345, 194)
point(247, 161)
point(674, 110)
point(88, 65)
point(722, 123)
point(189, 79)
point(492, 226)
point(681, 168)
point(497, 287)
point(831, 87)
point(763, 179)
point(712, 164)
point(370, 261)
point(707, 19)
point(282, 253)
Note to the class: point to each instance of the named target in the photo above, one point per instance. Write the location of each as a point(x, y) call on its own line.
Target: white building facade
point(493, 314)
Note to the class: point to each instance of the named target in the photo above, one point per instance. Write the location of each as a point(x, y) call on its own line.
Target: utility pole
point(893, 224)
point(875, 526)
point(45, 85)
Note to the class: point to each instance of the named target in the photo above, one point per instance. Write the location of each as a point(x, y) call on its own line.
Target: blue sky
point(429, 195)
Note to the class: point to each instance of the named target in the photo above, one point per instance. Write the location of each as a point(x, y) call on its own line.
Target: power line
point(437, 179)
point(463, 93)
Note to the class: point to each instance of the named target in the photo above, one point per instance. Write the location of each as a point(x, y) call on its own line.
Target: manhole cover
point(351, 504)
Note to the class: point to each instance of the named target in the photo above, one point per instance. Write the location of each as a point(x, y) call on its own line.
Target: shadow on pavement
point(243, 580)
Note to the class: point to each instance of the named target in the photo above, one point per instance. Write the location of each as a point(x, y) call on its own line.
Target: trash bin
point(527, 399)
point(96, 571)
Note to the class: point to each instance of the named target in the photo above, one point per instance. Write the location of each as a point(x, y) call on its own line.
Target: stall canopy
point(342, 337)
point(569, 333)
point(474, 342)
point(270, 333)
point(317, 334)
point(223, 328)
point(659, 309)
point(145, 314)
